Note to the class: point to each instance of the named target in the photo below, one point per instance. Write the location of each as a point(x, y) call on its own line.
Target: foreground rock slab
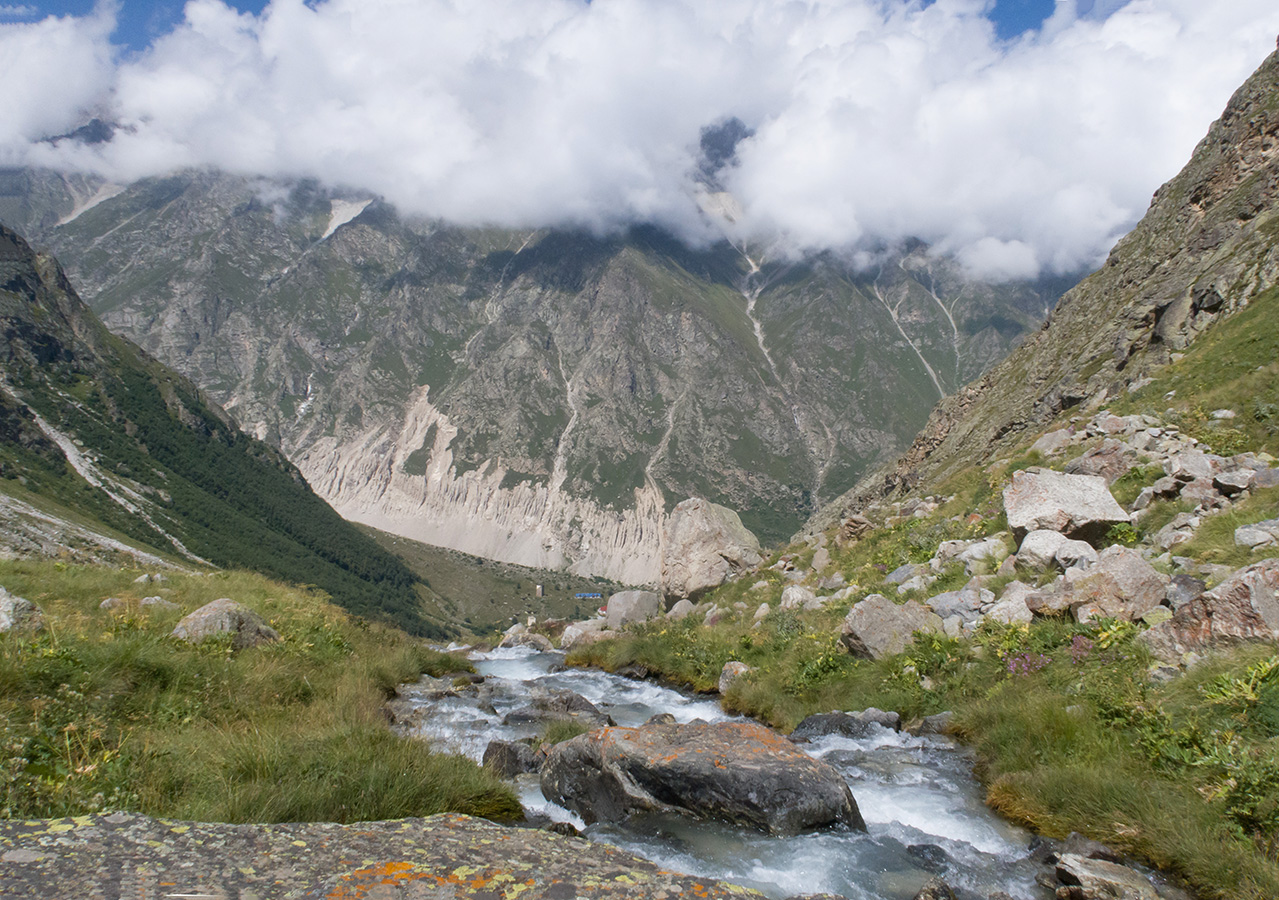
point(1079, 506)
point(1243, 608)
point(735, 771)
point(445, 856)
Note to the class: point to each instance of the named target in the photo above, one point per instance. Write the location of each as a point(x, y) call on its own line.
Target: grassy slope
point(104, 711)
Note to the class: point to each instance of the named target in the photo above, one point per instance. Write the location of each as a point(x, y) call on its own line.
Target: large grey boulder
point(584, 633)
point(1262, 534)
point(1039, 548)
point(844, 724)
point(796, 596)
point(631, 608)
point(705, 545)
point(18, 613)
point(1120, 585)
point(225, 616)
point(878, 627)
point(680, 610)
point(1243, 608)
point(1078, 506)
point(738, 772)
point(548, 705)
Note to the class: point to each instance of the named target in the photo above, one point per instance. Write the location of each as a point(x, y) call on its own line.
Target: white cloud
point(874, 119)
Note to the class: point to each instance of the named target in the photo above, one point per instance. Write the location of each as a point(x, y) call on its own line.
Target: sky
point(1022, 136)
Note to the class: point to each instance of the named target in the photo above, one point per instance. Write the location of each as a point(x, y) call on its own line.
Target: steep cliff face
point(537, 397)
point(1208, 245)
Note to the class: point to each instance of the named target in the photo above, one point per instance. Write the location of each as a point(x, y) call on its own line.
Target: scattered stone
point(1073, 554)
point(852, 528)
point(935, 724)
point(683, 607)
point(539, 642)
point(821, 559)
point(878, 627)
point(986, 554)
point(902, 574)
point(1012, 610)
point(796, 596)
point(918, 583)
point(631, 608)
point(1122, 584)
point(1184, 589)
point(740, 772)
point(706, 544)
point(1243, 608)
point(844, 724)
point(158, 603)
point(1236, 482)
point(1189, 465)
point(142, 579)
point(557, 705)
point(113, 604)
point(19, 614)
point(510, 758)
point(225, 616)
point(1053, 442)
point(1265, 478)
point(1180, 530)
point(732, 671)
point(1202, 492)
point(1096, 879)
point(761, 612)
point(1079, 506)
point(1039, 548)
point(1109, 460)
point(1262, 534)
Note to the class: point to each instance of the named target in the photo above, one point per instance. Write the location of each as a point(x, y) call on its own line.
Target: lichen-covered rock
point(1244, 607)
point(157, 604)
point(445, 855)
point(18, 613)
point(1122, 584)
point(225, 616)
point(631, 608)
point(1078, 506)
point(735, 771)
point(705, 545)
point(878, 627)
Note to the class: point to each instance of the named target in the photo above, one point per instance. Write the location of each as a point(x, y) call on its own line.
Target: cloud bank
point(870, 120)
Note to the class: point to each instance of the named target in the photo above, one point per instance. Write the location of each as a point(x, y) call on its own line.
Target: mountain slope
point(534, 397)
point(1208, 245)
point(91, 422)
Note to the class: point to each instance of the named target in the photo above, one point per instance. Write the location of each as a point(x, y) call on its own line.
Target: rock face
point(878, 627)
point(736, 771)
point(225, 616)
point(1243, 608)
point(19, 614)
point(632, 607)
point(406, 859)
point(705, 545)
point(1078, 506)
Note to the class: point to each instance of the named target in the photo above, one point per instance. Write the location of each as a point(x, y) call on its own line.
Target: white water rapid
point(921, 804)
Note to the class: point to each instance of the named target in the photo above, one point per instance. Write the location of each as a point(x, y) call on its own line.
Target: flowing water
point(921, 804)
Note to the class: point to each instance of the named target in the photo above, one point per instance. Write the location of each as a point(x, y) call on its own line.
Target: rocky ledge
point(124, 855)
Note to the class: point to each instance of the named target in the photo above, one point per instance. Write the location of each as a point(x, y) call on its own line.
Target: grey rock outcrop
point(1121, 584)
point(631, 608)
point(878, 627)
point(557, 705)
point(584, 633)
point(735, 771)
point(225, 616)
point(1078, 506)
point(1243, 608)
point(19, 614)
point(1096, 879)
point(705, 545)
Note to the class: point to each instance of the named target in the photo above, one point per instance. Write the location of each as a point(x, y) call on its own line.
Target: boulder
point(631, 608)
point(843, 724)
point(878, 627)
point(1071, 554)
point(1190, 465)
point(510, 758)
point(1121, 584)
point(761, 611)
point(821, 559)
point(852, 528)
point(1262, 534)
point(225, 616)
point(557, 705)
point(985, 554)
point(795, 597)
point(1053, 442)
point(580, 634)
point(682, 608)
point(1011, 608)
point(1244, 607)
point(705, 545)
point(902, 574)
point(538, 642)
point(19, 614)
point(935, 889)
point(157, 603)
point(739, 772)
point(1110, 460)
point(1039, 548)
point(1097, 879)
point(966, 603)
point(732, 671)
point(938, 723)
point(113, 604)
point(1078, 506)
point(1183, 589)
point(1236, 482)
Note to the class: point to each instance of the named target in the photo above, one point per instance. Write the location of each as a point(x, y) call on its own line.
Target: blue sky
point(140, 21)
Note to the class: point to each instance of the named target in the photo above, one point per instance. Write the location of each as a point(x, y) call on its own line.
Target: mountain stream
point(922, 806)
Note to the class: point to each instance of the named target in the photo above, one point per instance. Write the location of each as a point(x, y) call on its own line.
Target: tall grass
point(106, 711)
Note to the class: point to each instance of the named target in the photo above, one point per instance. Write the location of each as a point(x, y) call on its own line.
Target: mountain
point(1206, 249)
point(96, 432)
point(537, 397)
